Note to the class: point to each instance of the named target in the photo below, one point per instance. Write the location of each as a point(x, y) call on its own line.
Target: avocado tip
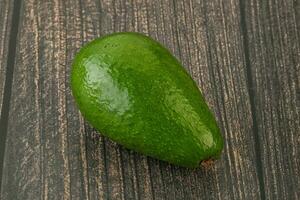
point(207, 164)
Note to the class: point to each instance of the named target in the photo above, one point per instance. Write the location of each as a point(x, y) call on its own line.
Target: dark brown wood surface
point(5, 27)
point(244, 55)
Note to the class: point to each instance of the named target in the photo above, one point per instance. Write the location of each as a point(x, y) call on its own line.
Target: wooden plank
point(272, 38)
point(37, 163)
point(8, 34)
point(5, 24)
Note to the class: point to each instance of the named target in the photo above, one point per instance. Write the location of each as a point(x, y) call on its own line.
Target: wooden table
point(244, 55)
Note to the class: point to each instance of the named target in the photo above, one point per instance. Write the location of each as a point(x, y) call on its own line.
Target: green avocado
point(134, 91)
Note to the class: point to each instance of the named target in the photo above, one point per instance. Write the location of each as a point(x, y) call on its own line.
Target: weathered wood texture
point(273, 45)
point(6, 61)
point(245, 57)
point(6, 8)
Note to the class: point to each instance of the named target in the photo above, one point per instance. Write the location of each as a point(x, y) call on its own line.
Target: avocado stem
point(207, 164)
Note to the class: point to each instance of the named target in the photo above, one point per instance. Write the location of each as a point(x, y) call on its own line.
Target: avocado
point(134, 91)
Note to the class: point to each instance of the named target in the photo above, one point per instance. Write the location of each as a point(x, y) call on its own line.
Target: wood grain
point(5, 24)
point(274, 62)
point(243, 55)
point(8, 35)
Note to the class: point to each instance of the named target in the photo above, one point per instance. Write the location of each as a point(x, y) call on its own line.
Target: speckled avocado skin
point(134, 91)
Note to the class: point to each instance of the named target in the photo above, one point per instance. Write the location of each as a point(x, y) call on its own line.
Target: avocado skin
point(134, 91)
